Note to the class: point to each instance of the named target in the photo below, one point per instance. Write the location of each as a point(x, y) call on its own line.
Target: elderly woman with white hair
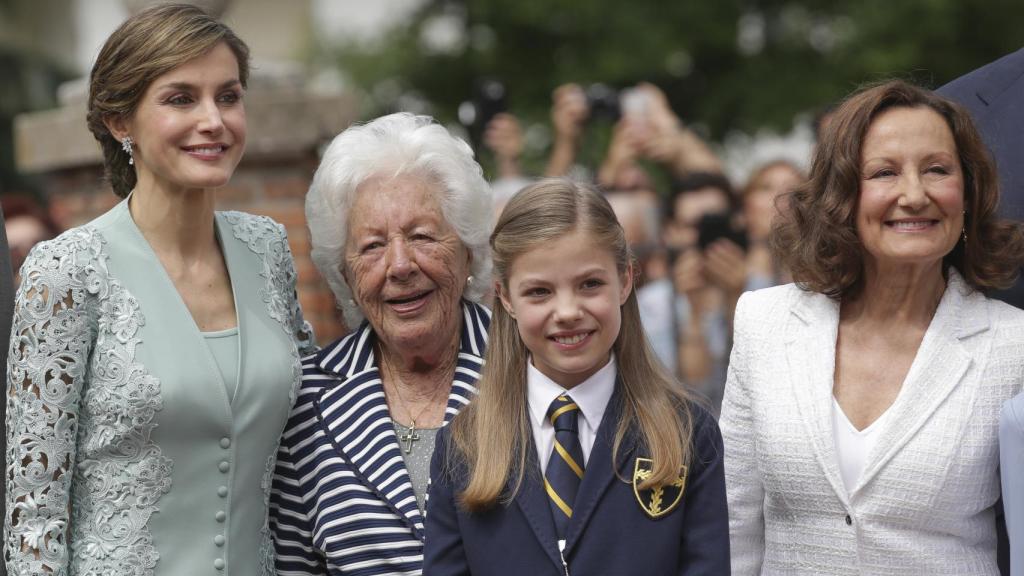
point(399, 215)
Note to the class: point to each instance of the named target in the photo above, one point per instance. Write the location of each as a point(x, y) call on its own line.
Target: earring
point(964, 232)
point(126, 145)
point(469, 279)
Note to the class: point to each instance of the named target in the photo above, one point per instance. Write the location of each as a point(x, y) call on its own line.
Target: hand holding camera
point(569, 112)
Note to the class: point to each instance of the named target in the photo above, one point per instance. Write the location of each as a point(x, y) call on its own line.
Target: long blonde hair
point(491, 436)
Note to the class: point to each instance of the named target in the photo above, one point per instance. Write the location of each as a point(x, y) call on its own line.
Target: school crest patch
point(657, 502)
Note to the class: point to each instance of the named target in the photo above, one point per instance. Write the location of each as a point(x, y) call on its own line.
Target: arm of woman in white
point(1011, 463)
point(51, 339)
point(744, 490)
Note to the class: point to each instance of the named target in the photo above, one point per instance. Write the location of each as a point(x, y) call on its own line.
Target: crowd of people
point(544, 376)
point(699, 243)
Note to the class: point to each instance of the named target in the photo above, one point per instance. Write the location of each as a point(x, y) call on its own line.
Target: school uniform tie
point(565, 465)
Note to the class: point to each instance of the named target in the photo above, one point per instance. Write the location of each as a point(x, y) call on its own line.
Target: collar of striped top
point(353, 354)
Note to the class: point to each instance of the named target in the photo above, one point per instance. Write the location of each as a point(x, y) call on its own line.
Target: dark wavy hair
point(816, 234)
point(145, 46)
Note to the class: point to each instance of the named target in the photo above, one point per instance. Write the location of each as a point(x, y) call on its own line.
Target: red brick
point(288, 187)
point(291, 215)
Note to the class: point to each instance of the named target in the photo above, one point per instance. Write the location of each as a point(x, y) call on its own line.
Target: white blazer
point(924, 503)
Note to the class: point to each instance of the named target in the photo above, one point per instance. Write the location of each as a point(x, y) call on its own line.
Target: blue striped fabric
point(342, 502)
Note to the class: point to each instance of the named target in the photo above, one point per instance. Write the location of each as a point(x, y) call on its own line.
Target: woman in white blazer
point(862, 404)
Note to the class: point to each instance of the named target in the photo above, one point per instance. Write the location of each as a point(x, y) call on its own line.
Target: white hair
point(390, 146)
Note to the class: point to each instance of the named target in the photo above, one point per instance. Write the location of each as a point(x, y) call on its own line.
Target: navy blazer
point(994, 95)
point(609, 534)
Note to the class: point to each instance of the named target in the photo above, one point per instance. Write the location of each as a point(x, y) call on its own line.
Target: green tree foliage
point(725, 64)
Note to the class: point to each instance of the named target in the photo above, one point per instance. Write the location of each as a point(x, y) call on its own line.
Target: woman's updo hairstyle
point(147, 45)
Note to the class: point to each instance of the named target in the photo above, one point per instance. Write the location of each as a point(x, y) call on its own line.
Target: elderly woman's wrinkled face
point(405, 263)
point(911, 190)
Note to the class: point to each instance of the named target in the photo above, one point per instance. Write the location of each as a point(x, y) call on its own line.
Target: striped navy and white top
point(342, 502)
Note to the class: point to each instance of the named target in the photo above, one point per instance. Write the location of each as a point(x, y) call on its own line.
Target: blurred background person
point(503, 137)
point(26, 223)
point(709, 274)
point(862, 406)
point(640, 218)
point(761, 203)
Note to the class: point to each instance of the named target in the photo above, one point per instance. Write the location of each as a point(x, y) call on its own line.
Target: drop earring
point(126, 145)
point(964, 231)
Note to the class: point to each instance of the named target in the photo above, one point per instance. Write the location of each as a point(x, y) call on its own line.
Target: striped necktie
point(565, 466)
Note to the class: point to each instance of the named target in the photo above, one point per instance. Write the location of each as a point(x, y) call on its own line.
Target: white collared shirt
point(591, 396)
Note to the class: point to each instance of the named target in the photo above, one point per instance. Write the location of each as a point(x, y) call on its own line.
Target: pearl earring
point(126, 145)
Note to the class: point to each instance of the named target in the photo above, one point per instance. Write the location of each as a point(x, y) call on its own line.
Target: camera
point(489, 100)
point(603, 102)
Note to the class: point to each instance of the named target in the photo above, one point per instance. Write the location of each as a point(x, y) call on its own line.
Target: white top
point(852, 445)
point(591, 396)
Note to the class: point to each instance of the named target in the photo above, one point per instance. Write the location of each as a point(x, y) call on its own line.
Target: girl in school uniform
point(580, 455)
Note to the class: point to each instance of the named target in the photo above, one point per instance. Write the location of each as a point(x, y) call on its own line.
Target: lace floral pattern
point(268, 240)
point(79, 405)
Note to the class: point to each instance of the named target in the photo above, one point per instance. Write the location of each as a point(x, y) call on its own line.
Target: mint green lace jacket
point(125, 454)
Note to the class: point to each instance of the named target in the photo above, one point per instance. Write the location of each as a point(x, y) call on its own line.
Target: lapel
point(178, 331)
point(355, 418)
point(998, 76)
point(600, 472)
point(236, 259)
point(599, 476)
point(811, 358)
point(533, 502)
point(938, 369)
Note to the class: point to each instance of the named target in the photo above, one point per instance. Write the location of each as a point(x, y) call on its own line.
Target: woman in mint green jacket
point(154, 350)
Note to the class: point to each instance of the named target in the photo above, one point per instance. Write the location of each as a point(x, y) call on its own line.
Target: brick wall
point(272, 188)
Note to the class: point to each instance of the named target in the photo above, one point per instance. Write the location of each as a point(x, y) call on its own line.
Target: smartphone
point(715, 226)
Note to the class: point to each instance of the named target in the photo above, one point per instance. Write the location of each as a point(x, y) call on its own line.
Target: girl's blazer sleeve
point(742, 478)
point(443, 552)
point(52, 336)
point(705, 548)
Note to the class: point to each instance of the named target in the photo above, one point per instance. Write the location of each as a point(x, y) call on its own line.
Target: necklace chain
point(398, 393)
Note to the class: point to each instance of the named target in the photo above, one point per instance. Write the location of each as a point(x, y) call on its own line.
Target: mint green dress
point(127, 452)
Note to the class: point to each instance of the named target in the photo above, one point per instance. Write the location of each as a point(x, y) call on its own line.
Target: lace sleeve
point(301, 330)
point(51, 339)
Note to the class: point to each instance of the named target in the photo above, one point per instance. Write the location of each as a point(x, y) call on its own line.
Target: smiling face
point(566, 296)
point(189, 127)
point(911, 190)
point(405, 263)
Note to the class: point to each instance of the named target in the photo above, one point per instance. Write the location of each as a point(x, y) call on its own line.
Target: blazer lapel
point(355, 417)
point(600, 471)
point(811, 357)
point(535, 506)
point(938, 368)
